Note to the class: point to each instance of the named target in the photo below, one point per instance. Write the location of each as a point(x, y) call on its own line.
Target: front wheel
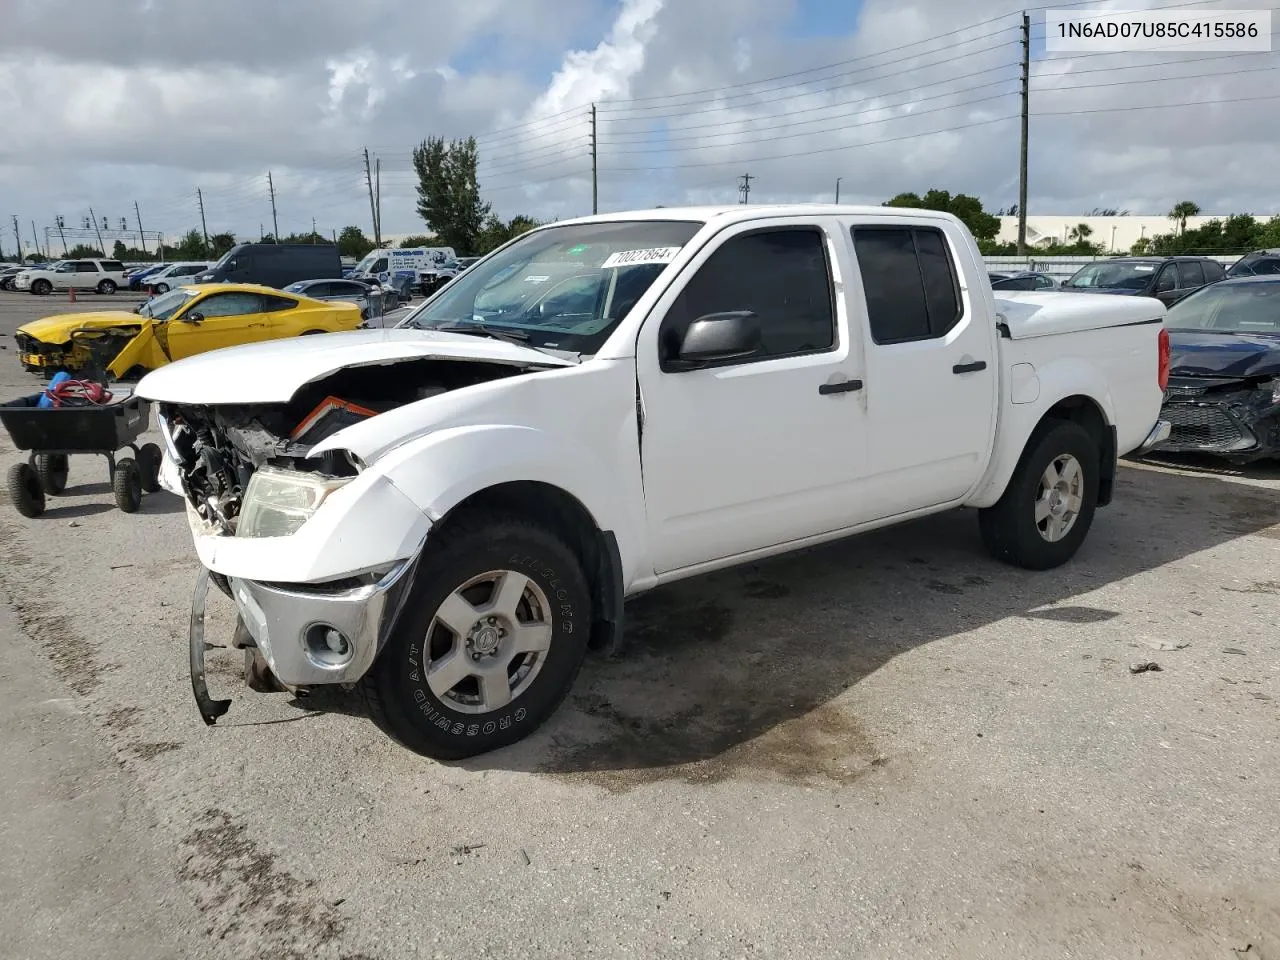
point(25, 491)
point(1048, 506)
point(160, 288)
point(107, 286)
point(489, 642)
point(126, 484)
point(41, 287)
point(53, 469)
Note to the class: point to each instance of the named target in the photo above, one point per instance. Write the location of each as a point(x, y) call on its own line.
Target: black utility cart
point(52, 434)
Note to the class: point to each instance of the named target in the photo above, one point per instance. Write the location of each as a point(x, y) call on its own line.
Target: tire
point(126, 482)
point(25, 490)
point(1010, 529)
point(160, 288)
point(52, 469)
point(454, 723)
point(149, 458)
point(107, 286)
point(41, 287)
point(311, 333)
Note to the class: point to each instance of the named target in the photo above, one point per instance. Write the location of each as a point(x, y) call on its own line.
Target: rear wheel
point(52, 468)
point(311, 333)
point(1048, 506)
point(160, 288)
point(25, 490)
point(490, 640)
point(107, 286)
point(126, 483)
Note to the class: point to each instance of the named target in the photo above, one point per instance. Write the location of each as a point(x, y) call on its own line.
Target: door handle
point(844, 386)
point(969, 367)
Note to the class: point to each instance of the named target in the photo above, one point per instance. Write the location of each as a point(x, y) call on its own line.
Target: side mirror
point(193, 317)
point(717, 337)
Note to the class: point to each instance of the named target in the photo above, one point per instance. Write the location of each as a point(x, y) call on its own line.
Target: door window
point(1190, 274)
point(780, 275)
point(86, 266)
point(1167, 280)
point(229, 305)
point(910, 283)
point(380, 266)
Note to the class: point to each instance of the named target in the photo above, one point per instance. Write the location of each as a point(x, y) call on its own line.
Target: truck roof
point(740, 212)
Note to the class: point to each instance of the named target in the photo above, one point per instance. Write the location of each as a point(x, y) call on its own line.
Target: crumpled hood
point(272, 372)
point(57, 329)
point(1223, 354)
point(1113, 291)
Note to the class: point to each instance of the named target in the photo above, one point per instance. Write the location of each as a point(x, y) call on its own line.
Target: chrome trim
point(1158, 435)
point(278, 618)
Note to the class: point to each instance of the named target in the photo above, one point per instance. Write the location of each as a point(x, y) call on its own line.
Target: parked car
point(1168, 279)
point(1022, 280)
point(103, 276)
point(1224, 371)
point(1259, 263)
point(396, 266)
point(137, 276)
point(275, 264)
point(181, 323)
point(173, 275)
point(7, 273)
point(366, 296)
point(464, 262)
point(451, 512)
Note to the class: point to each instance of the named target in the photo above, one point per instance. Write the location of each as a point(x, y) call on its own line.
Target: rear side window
point(1190, 273)
point(275, 304)
point(86, 266)
point(910, 283)
point(113, 266)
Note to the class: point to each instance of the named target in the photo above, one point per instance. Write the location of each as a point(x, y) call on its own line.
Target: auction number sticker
point(1098, 31)
point(632, 258)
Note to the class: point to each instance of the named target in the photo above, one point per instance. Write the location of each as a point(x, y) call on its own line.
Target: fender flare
point(1056, 381)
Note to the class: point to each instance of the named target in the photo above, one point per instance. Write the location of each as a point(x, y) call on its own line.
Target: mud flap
point(210, 709)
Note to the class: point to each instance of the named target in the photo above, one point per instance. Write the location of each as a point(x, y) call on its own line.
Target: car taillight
point(1162, 375)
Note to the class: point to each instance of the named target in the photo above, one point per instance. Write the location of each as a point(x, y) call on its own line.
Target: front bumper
point(311, 635)
point(1212, 428)
point(1158, 435)
point(23, 283)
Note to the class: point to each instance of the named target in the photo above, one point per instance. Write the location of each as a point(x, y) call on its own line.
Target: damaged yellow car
point(181, 323)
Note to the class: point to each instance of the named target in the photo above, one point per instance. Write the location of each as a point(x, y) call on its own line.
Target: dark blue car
point(1224, 372)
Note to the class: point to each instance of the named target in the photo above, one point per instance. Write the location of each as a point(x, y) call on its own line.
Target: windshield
point(1113, 276)
point(364, 265)
point(167, 304)
point(1235, 308)
point(560, 288)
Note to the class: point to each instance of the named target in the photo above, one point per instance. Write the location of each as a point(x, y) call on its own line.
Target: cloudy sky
point(161, 97)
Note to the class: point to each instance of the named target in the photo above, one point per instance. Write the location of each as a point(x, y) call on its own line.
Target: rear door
point(216, 320)
point(1190, 277)
point(932, 382)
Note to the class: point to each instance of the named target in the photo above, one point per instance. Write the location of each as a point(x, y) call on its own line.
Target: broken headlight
point(278, 502)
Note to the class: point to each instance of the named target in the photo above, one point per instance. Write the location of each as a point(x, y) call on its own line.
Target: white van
point(392, 266)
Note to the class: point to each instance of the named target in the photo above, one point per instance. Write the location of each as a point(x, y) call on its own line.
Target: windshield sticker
point(576, 250)
point(631, 258)
point(533, 279)
point(1142, 268)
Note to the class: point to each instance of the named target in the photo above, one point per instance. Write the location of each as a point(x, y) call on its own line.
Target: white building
point(1114, 233)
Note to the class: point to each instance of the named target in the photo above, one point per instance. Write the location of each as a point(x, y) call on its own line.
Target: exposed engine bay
point(218, 448)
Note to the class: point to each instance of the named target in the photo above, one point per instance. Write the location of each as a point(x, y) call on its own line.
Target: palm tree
point(1081, 232)
point(1181, 210)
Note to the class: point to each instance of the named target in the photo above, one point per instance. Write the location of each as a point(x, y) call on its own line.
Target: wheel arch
point(569, 518)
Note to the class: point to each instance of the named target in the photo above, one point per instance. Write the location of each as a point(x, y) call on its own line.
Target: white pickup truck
point(448, 514)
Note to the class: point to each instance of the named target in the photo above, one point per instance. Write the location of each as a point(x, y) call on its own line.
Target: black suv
point(1259, 263)
point(1168, 279)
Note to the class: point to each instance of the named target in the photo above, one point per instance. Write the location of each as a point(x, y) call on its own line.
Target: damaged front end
point(1237, 418)
point(317, 591)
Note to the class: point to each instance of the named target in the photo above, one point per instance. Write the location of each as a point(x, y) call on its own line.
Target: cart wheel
point(52, 469)
point(149, 458)
point(127, 483)
point(25, 490)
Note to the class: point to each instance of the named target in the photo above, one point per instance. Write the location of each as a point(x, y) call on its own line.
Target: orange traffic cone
point(71, 294)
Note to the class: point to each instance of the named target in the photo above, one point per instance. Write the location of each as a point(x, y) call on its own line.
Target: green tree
point(190, 247)
point(221, 243)
point(419, 240)
point(1081, 233)
point(119, 251)
point(1181, 211)
point(497, 232)
point(981, 224)
point(81, 250)
point(449, 200)
point(353, 243)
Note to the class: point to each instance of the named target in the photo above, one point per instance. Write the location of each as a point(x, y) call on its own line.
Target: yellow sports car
point(183, 322)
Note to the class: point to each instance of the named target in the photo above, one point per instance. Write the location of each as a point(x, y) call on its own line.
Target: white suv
point(104, 276)
point(174, 275)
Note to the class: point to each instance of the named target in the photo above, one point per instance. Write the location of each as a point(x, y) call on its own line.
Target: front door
point(216, 320)
point(745, 454)
point(932, 383)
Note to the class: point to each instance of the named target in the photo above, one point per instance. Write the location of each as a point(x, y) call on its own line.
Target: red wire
point(95, 393)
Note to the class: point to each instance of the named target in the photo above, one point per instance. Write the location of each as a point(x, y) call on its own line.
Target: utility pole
point(275, 223)
point(17, 236)
point(595, 159)
point(61, 224)
point(838, 179)
point(1026, 112)
point(203, 228)
point(744, 188)
point(313, 230)
point(377, 198)
point(93, 218)
point(142, 237)
point(35, 238)
point(373, 208)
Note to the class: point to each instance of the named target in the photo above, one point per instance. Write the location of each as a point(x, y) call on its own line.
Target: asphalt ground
point(886, 747)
